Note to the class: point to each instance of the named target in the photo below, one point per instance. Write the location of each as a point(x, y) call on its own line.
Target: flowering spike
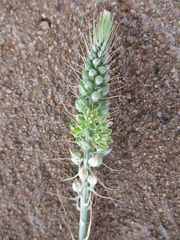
point(91, 129)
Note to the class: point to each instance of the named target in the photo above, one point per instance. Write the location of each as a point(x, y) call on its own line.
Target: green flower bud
point(106, 77)
point(92, 73)
point(85, 75)
point(96, 62)
point(88, 64)
point(104, 102)
point(81, 104)
point(88, 86)
point(92, 55)
point(102, 111)
point(82, 91)
point(98, 80)
point(101, 70)
point(95, 96)
point(104, 89)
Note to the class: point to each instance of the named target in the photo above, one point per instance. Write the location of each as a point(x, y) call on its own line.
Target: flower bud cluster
point(91, 104)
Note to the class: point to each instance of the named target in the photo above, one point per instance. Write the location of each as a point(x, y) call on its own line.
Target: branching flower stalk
point(91, 129)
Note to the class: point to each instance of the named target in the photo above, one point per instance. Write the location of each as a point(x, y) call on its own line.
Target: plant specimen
point(91, 127)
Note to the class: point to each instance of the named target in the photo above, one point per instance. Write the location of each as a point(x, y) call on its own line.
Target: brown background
point(38, 40)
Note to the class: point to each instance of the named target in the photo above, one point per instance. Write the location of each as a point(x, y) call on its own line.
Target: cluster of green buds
point(91, 127)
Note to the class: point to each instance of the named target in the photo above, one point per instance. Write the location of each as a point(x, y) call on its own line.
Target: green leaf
point(80, 118)
point(103, 144)
point(82, 126)
point(105, 132)
point(72, 126)
point(96, 137)
point(94, 143)
point(73, 132)
point(98, 129)
point(105, 124)
point(79, 133)
point(109, 141)
point(92, 126)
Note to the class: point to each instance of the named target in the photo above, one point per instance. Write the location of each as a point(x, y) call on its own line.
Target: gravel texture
point(40, 43)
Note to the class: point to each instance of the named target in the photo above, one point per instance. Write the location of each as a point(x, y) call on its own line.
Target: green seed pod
point(92, 73)
point(95, 96)
point(95, 161)
point(98, 80)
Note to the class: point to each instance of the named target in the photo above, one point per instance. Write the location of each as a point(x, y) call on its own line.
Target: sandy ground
point(39, 49)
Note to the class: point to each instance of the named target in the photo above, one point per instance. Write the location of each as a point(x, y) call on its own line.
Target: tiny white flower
point(95, 161)
point(83, 174)
point(76, 186)
point(92, 180)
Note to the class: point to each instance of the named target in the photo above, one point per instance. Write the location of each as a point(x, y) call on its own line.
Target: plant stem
point(84, 197)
